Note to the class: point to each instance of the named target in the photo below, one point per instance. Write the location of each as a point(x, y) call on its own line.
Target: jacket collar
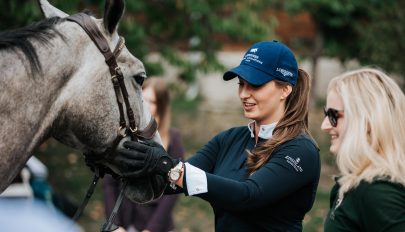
point(265, 131)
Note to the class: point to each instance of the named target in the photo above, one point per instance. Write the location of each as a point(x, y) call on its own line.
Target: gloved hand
point(143, 158)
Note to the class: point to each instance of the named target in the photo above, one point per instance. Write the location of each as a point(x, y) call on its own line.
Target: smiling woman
point(364, 118)
point(335, 122)
point(260, 177)
point(263, 103)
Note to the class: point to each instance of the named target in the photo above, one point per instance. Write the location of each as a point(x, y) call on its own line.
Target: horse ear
point(50, 11)
point(113, 12)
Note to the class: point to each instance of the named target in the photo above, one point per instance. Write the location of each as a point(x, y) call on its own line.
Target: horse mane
point(21, 38)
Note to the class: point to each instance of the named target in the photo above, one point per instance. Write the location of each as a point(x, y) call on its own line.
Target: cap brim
point(248, 73)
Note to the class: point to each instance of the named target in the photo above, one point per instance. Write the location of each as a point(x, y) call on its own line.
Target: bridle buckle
point(135, 130)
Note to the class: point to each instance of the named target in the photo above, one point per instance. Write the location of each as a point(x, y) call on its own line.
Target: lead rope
point(89, 193)
point(109, 224)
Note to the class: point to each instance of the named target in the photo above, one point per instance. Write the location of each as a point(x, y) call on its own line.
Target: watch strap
point(179, 168)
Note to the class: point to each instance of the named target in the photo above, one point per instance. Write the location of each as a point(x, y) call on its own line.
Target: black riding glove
point(143, 158)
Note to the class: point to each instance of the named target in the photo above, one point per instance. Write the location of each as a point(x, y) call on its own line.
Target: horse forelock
point(22, 39)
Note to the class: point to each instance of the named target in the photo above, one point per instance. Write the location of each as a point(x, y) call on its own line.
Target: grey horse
point(54, 82)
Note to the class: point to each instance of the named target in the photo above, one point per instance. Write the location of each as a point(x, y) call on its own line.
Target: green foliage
point(383, 36)
point(168, 28)
point(172, 27)
point(334, 20)
point(368, 30)
point(10, 19)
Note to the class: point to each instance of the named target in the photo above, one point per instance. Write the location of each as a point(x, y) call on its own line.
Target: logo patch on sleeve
point(294, 163)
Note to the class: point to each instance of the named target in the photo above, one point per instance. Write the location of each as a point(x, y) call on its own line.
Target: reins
point(121, 93)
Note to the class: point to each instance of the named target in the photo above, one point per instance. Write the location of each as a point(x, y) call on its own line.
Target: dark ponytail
point(293, 123)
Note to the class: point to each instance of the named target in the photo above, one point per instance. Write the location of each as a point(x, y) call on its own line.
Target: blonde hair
point(373, 144)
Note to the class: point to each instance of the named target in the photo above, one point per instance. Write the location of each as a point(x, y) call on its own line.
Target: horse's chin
point(95, 151)
point(140, 190)
point(145, 189)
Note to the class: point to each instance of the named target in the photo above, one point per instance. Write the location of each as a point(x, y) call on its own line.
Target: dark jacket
point(371, 207)
point(275, 198)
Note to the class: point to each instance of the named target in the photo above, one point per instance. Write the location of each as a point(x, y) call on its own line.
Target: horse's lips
point(143, 189)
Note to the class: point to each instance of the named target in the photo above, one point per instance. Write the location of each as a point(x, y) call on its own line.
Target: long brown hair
point(162, 94)
point(293, 123)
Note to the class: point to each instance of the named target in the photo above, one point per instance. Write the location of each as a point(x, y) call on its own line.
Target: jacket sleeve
point(289, 169)
point(206, 157)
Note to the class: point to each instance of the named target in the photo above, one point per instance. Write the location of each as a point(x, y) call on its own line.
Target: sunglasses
point(332, 115)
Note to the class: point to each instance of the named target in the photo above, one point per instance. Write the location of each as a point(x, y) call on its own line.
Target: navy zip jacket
point(275, 198)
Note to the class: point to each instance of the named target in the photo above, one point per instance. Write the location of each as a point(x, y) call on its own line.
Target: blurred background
point(190, 43)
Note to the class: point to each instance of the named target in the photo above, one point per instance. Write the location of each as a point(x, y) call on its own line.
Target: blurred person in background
point(259, 177)
point(157, 215)
point(364, 116)
point(29, 200)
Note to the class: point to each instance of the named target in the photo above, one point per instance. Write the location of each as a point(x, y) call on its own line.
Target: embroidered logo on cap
point(252, 57)
point(284, 72)
point(254, 50)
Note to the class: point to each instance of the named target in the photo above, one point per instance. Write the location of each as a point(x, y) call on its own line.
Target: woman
point(260, 177)
point(157, 215)
point(364, 115)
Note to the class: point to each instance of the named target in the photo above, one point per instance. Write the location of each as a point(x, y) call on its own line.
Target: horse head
point(74, 99)
point(90, 116)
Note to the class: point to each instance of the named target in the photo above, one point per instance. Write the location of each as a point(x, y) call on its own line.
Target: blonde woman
point(365, 118)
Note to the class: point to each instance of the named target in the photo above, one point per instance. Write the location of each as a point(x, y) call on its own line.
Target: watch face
point(174, 175)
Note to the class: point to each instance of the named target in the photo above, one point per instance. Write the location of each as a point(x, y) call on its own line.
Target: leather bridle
point(130, 129)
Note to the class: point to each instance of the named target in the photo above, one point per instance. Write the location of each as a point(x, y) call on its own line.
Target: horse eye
point(139, 79)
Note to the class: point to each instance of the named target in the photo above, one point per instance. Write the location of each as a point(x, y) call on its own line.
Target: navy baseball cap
point(266, 61)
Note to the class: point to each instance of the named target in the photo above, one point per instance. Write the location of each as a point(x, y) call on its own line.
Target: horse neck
point(29, 103)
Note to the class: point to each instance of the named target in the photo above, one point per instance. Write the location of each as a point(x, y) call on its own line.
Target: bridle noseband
point(121, 93)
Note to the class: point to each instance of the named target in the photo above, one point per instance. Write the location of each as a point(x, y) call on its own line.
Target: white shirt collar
point(265, 131)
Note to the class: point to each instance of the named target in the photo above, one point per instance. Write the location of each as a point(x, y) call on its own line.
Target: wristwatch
point(174, 174)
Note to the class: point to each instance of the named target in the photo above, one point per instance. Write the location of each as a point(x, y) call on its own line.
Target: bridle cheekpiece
point(125, 129)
